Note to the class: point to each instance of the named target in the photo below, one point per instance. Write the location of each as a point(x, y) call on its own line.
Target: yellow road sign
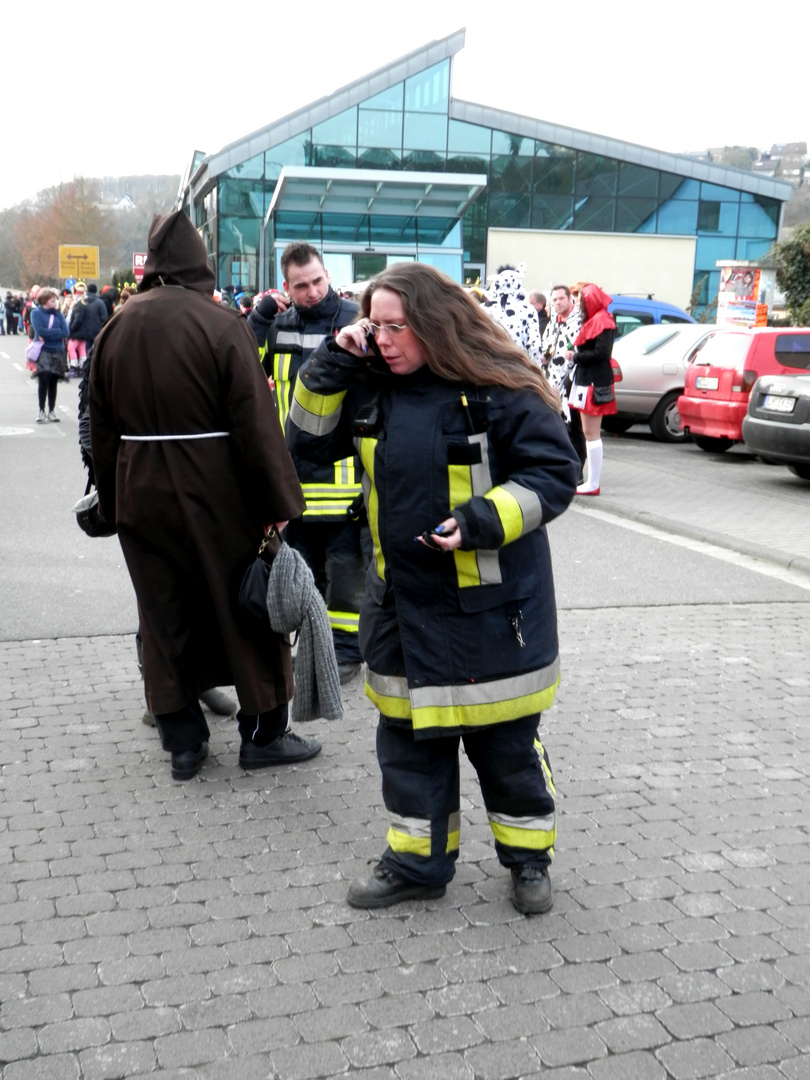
point(78, 261)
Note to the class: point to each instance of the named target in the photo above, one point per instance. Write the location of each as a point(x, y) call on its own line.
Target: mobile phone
point(372, 344)
point(428, 536)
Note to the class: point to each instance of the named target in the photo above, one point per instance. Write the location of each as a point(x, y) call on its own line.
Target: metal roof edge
point(679, 164)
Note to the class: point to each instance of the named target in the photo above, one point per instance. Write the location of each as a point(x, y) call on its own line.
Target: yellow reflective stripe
point(453, 832)
point(368, 449)
point(410, 835)
point(322, 508)
point(281, 375)
point(460, 478)
point(344, 620)
point(396, 707)
point(451, 716)
point(318, 404)
point(331, 491)
point(509, 512)
point(545, 766)
point(523, 836)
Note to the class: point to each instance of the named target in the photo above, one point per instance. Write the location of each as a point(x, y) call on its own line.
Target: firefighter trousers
point(420, 784)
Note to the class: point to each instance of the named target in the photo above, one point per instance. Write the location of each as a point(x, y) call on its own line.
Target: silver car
point(653, 362)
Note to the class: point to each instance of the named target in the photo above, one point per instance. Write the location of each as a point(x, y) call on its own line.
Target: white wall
point(619, 262)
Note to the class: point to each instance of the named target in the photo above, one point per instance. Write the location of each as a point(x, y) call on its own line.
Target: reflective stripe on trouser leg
point(517, 789)
point(420, 783)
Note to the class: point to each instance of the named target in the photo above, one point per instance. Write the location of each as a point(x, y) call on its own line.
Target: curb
point(799, 563)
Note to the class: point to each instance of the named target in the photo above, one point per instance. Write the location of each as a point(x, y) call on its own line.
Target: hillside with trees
point(112, 213)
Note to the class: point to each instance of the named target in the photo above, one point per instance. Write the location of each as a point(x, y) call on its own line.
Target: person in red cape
point(592, 390)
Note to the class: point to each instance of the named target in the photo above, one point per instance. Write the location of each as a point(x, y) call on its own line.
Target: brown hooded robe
point(190, 512)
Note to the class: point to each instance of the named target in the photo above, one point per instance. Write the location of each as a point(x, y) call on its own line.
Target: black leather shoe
point(532, 889)
point(216, 702)
point(384, 888)
point(186, 763)
point(286, 749)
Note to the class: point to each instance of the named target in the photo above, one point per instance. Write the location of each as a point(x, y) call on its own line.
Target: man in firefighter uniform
point(329, 535)
point(465, 459)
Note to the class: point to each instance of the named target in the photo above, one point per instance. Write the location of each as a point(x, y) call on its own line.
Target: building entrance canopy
point(310, 190)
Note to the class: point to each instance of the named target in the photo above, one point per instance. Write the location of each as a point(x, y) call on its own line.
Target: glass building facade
point(531, 183)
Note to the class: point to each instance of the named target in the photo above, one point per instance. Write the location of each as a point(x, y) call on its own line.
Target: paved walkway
point(730, 499)
point(199, 930)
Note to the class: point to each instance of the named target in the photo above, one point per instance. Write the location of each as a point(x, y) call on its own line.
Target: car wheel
point(665, 422)
point(713, 446)
point(802, 471)
point(617, 425)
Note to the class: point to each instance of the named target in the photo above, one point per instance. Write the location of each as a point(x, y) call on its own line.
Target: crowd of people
point(425, 440)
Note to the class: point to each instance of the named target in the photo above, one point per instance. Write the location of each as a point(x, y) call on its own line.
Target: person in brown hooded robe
point(191, 465)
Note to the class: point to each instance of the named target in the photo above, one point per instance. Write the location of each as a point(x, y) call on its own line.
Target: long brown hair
point(461, 342)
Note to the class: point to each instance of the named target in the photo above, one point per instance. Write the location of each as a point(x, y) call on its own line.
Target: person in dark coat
point(191, 466)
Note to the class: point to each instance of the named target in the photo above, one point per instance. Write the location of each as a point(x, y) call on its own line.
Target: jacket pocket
point(485, 597)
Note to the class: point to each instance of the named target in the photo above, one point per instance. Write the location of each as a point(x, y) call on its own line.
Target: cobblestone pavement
point(730, 500)
point(200, 929)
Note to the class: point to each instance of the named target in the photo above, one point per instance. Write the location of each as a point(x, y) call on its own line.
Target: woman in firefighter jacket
point(465, 459)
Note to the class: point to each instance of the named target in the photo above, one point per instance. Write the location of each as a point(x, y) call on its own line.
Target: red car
point(720, 378)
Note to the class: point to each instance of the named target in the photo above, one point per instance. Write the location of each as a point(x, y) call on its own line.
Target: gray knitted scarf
point(294, 604)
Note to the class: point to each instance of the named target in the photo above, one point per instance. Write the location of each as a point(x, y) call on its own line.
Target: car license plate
point(773, 403)
point(704, 382)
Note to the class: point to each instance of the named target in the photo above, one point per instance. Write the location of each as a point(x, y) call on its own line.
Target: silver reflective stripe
point(489, 566)
point(454, 822)
point(306, 341)
point(171, 438)
point(536, 824)
point(388, 685)
point(312, 424)
point(529, 504)
point(484, 693)
point(411, 826)
point(480, 473)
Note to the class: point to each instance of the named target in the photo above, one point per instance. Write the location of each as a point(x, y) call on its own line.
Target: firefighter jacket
point(456, 640)
point(331, 487)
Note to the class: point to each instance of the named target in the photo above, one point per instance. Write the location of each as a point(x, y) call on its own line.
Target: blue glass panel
point(678, 218)
point(650, 225)
point(381, 129)
point(295, 151)
point(718, 218)
point(345, 228)
point(596, 175)
point(429, 90)
point(468, 138)
point(338, 130)
point(452, 265)
point(240, 271)
point(714, 191)
point(390, 99)
point(387, 229)
point(334, 157)
point(379, 158)
point(423, 161)
point(503, 142)
point(708, 250)
point(467, 163)
point(594, 214)
point(510, 173)
point(239, 234)
point(552, 211)
point(553, 169)
point(707, 285)
point(638, 181)
point(753, 249)
point(294, 225)
point(241, 197)
point(684, 189)
point(474, 223)
point(424, 132)
point(759, 219)
point(438, 232)
point(631, 214)
point(252, 169)
point(509, 211)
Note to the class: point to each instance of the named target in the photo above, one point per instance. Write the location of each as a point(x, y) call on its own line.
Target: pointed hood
point(599, 318)
point(176, 255)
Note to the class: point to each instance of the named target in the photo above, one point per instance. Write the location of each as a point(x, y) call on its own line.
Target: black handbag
point(253, 589)
point(88, 515)
point(603, 395)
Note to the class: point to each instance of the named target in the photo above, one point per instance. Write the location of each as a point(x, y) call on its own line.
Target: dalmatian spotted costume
point(508, 306)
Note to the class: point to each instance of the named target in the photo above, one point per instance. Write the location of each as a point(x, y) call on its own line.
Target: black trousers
point(420, 782)
point(48, 383)
point(186, 729)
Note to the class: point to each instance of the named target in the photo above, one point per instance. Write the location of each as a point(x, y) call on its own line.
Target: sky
point(154, 82)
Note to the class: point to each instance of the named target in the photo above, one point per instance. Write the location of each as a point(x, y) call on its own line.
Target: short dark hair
point(44, 295)
point(538, 296)
point(298, 253)
point(564, 288)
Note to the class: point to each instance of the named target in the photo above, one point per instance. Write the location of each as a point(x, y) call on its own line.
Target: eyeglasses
point(392, 329)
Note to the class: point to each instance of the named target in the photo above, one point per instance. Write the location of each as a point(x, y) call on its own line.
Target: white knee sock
point(594, 451)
